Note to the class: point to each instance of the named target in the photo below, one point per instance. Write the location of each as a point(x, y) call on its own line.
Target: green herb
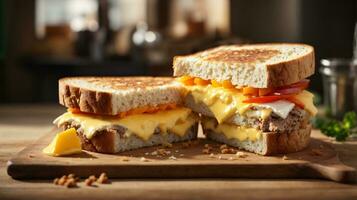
point(337, 129)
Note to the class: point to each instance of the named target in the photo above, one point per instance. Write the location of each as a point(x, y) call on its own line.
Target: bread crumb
point(176, 151)
point(62, 180)
point(143, 159)
point(206, 151)
point(285, 157)
point(230, 158)
point(103, 178)
point(70, 183)
point(172, 158)
point(223, 146)
point(219, 157)
point(55, 181)
point(92, 177)
point(146, 153)
point(316, 152)
point(125, 158)
point(241, 154)
point(88, 182)
point(163, 152)
point(211, 155)
point(167, 145)
point(182, 154)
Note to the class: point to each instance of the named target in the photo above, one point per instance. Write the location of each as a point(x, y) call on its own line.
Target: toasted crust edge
point(279, 74)
point(85, 100)
point(285, 73)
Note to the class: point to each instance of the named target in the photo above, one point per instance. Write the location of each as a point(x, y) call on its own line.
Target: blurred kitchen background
point(44, 40)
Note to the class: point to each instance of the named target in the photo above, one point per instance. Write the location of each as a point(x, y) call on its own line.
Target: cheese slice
point(233, 131)
point(64, 143)
point(142, 125)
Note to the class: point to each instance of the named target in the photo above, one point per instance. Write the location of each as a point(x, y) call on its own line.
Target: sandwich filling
point(244, 113)
point(143, 124)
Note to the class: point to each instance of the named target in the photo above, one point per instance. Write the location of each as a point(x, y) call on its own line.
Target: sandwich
point(252, 96)
point(115, 114)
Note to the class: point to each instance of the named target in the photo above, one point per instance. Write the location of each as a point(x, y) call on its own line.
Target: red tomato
point(266, 99)
point(294, 90)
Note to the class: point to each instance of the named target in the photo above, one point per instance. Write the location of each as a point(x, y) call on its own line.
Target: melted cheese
point(233, 131)
point(308, 99)
point(142, 125)
point(64, 143)
point(224, 103)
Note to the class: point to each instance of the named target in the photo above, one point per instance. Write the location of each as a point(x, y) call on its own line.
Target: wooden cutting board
point(319, 161)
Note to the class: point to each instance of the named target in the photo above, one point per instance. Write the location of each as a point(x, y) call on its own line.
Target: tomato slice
point(294, 90)
point(266, 99)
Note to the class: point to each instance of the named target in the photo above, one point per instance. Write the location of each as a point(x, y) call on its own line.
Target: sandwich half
point(114, 114)
point(253, 96)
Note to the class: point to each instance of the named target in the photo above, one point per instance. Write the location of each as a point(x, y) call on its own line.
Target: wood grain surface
point(21, 125)
point(319, 160)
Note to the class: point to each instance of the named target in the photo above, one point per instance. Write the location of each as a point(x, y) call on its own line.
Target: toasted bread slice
point(113, 95)
point(269, 143)
point(258, 65)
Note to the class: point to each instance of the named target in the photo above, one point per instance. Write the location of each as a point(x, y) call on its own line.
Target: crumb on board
point(211, 155)
point(172, 158)
point(143, 159)
point(285, 157)
point(241, 154)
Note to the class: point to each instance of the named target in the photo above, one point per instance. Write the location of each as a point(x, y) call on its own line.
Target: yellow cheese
point(222, 102)
point(142, 125)
point(233, 131)
point(307, 98)
point(64, 143)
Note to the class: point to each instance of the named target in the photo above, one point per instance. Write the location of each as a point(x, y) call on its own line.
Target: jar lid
point(338, 66)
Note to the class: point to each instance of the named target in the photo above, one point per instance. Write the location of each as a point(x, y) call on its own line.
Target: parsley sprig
point(340, 130)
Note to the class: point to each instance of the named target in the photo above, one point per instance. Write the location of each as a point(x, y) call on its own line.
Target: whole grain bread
point(255, 65)
point(270, 143)
point(113, 95)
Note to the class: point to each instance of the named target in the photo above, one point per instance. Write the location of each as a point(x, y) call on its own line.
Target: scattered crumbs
point(241, 154)
point(207, 146)
point(176, 151)
point(223, 146)
point(143, 159)
point(220, 158)
point(206, 151)
point(146, 153)
point(88, 182)
point(154, 153)
point(285, 157)
point(182, 154)
point(316, 152)
point(125, 158)
point(167, 145)
point(172, 158)
point(103, 178)
point(230, 158)
point(69, 181)
point(90, 158)
point(211, 155)
point(163, 152)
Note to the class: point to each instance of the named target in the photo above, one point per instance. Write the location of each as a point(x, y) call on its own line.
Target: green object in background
point(337, 129)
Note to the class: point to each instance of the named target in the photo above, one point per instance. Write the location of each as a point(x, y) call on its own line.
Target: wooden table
point(23, 124)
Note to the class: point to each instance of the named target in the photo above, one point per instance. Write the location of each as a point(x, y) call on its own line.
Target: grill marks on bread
point(242, 56)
